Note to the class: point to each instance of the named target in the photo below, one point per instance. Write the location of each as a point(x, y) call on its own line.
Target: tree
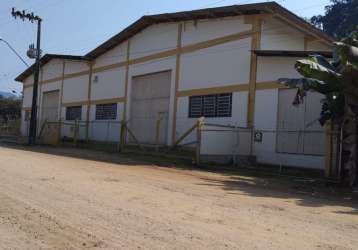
point(340, 18)
point(337, 80)
point(9, 109)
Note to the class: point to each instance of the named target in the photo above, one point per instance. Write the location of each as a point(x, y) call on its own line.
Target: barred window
point(219, 105)
point(73, 113)
point(106, 111)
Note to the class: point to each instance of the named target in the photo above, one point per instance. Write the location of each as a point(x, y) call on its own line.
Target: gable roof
point(45, 59)
point(209, 13)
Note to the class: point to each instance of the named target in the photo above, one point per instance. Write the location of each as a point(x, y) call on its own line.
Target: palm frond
point(310, 68)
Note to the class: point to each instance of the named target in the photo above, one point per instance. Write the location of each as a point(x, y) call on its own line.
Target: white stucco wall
point(109, 84)
point(221, 65)
point(73, 66)
point(203, 30)
point(318, 46)
point(50, 86)
point(116, 55)
point(154, 39)
point(67, 127)
point(270, 69)
point(217, 66)
point(52, 69)
point(277, 35)
point(75, 89)
point(27, 99)
point(266, 108)
point(29, 80)
point(239, 116)
point(105, 130)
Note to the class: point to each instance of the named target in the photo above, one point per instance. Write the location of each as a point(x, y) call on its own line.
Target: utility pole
point(37, 55)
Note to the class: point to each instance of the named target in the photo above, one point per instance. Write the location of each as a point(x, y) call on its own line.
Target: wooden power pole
point(32, 53)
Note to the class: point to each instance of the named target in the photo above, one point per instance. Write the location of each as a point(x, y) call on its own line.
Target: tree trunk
point(349, 145)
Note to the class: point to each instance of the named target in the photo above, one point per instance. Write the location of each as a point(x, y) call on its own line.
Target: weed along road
point(55, 198)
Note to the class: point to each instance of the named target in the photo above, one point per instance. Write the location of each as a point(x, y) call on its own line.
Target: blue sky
point(76, 27)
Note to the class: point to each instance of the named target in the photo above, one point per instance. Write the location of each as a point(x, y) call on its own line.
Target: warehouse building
point(219, 63)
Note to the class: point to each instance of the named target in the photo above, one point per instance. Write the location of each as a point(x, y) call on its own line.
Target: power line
point(15, 52)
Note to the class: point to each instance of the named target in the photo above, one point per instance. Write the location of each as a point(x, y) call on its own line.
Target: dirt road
point(52, 201)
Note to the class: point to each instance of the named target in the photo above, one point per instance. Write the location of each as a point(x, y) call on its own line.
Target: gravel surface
point(66, 199)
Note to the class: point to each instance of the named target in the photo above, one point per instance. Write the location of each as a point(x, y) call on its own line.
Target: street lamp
point(13, 50)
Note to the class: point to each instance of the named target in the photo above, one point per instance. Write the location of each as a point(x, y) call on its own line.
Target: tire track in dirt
point(44, 230)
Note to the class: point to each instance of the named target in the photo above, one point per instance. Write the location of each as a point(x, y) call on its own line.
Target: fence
point(10, 127)
point(314, 149)
point(209, 142)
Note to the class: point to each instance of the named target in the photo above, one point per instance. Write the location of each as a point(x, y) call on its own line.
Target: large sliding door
point(150, 107)
point(299, 131)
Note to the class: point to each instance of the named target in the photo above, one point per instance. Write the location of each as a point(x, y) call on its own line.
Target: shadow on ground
point(307, 191)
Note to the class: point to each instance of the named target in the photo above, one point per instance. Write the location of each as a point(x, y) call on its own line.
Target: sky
point(76, 27)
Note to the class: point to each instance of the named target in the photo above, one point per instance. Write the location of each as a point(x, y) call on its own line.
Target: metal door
point(50, 101)
point(299, 131)
point(150, 107)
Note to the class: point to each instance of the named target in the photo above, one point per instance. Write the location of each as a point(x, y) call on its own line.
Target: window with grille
point(73, 113)
point(106, 111)
point(219, 105)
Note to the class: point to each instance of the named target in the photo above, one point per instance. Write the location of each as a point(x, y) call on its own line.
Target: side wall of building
point(204, 57)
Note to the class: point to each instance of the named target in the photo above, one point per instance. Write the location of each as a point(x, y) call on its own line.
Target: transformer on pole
point(32, 53)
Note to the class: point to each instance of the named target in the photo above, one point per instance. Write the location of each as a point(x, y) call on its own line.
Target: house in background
point(220, 63)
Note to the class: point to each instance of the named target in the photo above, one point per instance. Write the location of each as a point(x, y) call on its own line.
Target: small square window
point(106, 111)
point(73, 113)
point(219, 105)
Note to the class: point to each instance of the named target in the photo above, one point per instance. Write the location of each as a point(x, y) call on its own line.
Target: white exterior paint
point(277, 35)
point(239, 116)
point(154, 39)
point(204, 68)
point(109, 84)
point(317, 45)
point(115, 55)
point(27, 99)
point(166, 64)
point(75, 66)
point(29, 80)
point(75, 89)
point(265, 151)
point(269, 69)
point(105, 130)
point(204, 30)
point(216, 66)
point(52, 69)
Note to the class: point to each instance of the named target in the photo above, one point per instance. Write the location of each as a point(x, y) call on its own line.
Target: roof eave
point(45, 59)
point(291, 53)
